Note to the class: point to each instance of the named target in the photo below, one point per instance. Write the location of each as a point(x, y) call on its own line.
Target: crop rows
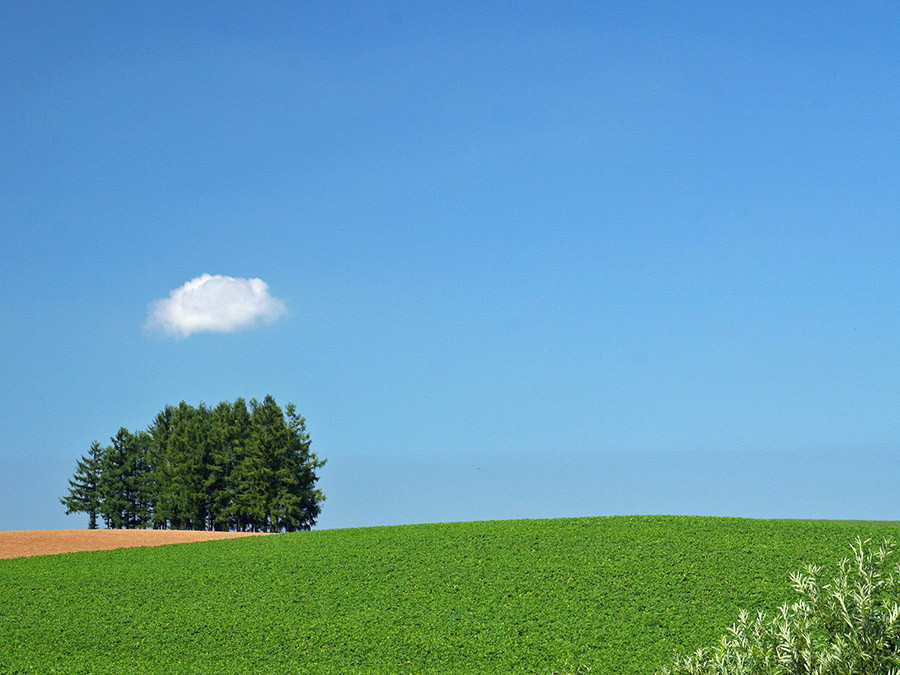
point(619, 595)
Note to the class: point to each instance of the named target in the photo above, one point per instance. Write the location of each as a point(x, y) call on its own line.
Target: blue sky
point(535, 259)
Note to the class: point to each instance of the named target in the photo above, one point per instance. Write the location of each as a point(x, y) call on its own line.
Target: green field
point(619, 595)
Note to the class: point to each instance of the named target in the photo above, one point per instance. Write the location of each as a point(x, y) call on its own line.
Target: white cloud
point(215, 303)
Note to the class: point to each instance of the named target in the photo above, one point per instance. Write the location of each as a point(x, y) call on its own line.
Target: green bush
point(850, 625)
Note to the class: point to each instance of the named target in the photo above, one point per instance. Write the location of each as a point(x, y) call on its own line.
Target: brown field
point(23, 543)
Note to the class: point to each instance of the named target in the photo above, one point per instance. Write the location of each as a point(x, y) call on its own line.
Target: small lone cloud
point(214, 303)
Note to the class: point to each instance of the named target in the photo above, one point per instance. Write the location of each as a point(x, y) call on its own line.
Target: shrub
point(850, 625)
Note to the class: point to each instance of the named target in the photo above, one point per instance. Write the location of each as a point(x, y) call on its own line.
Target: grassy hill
point(616, 594)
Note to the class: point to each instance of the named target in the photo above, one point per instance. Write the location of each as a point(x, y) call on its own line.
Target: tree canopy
point(232, 467)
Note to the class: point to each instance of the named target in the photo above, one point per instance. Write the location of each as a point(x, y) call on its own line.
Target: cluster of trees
point(231, 467)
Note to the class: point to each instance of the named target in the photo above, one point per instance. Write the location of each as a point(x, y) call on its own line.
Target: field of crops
point(616, 594)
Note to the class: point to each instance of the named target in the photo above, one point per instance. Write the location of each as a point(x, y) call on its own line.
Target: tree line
point(235, 467)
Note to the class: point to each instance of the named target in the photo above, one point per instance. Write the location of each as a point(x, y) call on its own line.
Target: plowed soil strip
point(23, 543)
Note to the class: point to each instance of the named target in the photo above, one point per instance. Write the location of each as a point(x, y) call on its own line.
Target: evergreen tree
point(227, 468)
point(255, 475)
point(300, 503)
point(231, 425)
point(158, 442)
point(124, 485)
point(186, 467)
point(138, 479)
point(114, 503)
point(84, 492)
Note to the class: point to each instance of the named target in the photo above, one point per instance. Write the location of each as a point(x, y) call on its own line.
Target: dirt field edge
point(26, 543)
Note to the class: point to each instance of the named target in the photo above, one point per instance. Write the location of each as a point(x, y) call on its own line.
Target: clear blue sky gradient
point(539, 259)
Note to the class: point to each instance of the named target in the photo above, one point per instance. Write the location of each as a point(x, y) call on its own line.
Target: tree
point(161, 431)
point(158, 440)
point(184, 466)
point(112, 477)
point(84, 490)
point(299, 500)
point(277, 474)
point(255, 474)
point(231, 426)
point(138, 479)
point(124, 486)
point(225, 468)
